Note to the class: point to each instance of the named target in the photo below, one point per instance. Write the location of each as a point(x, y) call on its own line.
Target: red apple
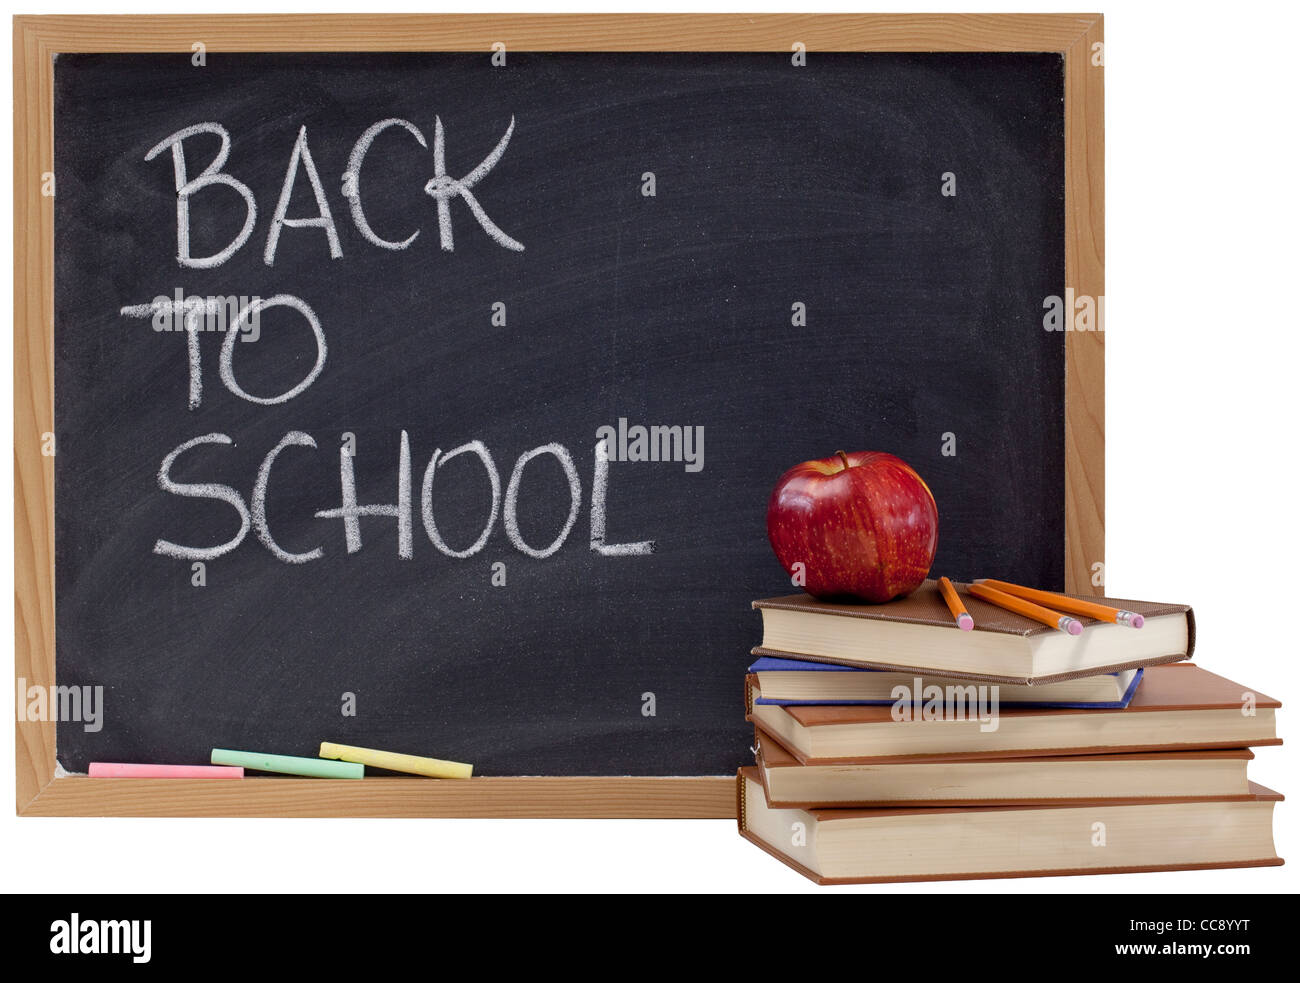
point(862, 525)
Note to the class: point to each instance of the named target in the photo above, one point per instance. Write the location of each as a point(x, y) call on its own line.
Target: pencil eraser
point(965, 622)
point(1137, 621)
point(1074, 627)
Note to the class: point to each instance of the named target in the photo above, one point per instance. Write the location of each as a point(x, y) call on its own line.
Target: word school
point(253, 514)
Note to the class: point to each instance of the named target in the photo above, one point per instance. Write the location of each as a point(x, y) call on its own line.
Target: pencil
point(1074, 605)
point(964, 621)
point(1053, 619)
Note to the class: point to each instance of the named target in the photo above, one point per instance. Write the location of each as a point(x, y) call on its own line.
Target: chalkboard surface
point(760, 254)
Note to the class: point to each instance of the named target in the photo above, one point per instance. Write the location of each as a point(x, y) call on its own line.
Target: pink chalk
point(965, 622)
point(102, 769)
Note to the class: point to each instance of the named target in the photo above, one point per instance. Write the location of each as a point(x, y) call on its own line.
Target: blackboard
point(778, 190)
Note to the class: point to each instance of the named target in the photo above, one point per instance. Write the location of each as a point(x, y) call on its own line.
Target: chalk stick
point(113, 769)
point(391, 761)
point(284, 764)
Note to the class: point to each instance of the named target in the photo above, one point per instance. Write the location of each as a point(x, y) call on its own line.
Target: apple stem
point(845, 458)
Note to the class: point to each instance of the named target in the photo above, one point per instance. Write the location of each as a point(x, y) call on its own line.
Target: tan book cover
point(1036, 777)
point(1182, 686)
point(905, 844)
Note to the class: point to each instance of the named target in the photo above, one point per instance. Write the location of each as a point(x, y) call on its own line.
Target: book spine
point(740, 801)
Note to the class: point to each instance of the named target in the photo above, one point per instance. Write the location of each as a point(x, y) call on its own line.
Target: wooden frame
point(42, 791)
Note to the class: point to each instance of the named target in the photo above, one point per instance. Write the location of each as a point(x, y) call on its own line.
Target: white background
point(1201, 447)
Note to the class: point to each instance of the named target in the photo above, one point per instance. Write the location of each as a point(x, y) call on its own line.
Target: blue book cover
point(772, 664)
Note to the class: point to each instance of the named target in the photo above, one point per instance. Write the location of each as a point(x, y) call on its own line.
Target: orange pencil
point(1089, 609)
point(1053, 619)
point(964, 621)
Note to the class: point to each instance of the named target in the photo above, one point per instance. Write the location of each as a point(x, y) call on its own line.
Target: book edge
point(1060, 677)
point(1018, 752)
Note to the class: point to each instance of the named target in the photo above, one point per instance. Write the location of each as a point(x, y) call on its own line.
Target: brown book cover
point(769, 753)
point(1180, 686)
point(925, 606)
point(1258, 794)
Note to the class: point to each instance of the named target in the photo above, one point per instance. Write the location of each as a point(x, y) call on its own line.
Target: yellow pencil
point(964, 621)
point(410, 763)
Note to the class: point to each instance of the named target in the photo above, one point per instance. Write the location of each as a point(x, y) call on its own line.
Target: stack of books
point(892, 746)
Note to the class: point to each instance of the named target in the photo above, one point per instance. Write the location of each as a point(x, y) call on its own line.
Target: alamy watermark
point(1072, 312)
point(683, 445)
point(191, 313)
point(77, 704)
point(77, 936)
point(934, 702)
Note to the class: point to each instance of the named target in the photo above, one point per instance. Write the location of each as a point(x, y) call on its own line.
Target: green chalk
point(285, 764)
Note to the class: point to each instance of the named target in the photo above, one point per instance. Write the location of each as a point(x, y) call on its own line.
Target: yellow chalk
point(413, 764)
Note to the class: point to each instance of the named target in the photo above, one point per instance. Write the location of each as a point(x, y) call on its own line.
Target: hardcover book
point(855, 846)
point(1114, 778)
point(917, 632)
point(1177, 707)
point(798, 682)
